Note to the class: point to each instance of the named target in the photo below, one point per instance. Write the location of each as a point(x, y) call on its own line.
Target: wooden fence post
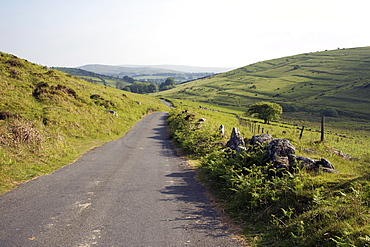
point(323, 128)
point(300, 135)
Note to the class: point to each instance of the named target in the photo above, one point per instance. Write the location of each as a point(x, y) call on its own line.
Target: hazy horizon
point(200, 33)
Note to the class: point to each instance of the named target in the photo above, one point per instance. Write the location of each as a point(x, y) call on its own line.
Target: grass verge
point(297, 208)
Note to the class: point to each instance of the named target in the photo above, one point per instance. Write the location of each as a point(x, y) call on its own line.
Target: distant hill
point(333, 82)
point(186, 69)
point(122, 71)
point(153, 73)
point(94, 77)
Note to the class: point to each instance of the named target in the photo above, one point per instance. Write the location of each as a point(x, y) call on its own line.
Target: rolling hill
point(337, 81)
point(184, 68)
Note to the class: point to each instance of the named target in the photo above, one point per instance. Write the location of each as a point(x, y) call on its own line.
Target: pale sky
point(223, 33)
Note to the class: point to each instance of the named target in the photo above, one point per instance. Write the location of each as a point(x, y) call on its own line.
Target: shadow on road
point(198, 213)
point(162, 135)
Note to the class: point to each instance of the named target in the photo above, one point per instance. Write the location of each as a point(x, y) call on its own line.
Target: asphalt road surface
point(134, 191)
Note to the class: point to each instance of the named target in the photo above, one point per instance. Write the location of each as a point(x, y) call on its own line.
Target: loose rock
point(280, 148)
point(281, 162)
point(222, 130)
point(311, 164)
point(260, 139)
point(236, 139)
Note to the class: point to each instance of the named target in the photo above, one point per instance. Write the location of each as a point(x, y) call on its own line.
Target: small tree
point(266, 111)
point(168, 84)
point(329, 112)
point(152, 88)
point(128, 79)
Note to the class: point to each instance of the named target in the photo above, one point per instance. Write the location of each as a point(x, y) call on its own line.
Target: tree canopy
point(265, 110)
point(147, 87)
point(142, 87)
point(128, 79)
point(168, 84)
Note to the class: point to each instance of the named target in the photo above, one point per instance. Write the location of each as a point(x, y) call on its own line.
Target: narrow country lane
point(134, 191)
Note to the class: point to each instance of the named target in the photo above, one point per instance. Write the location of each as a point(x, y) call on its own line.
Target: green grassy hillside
point(48, 118)
point(306, 83)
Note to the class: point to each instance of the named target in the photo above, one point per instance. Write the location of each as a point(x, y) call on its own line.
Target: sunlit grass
point(49, 118)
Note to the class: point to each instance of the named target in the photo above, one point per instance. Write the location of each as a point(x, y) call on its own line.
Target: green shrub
point(193, 137)
point(330, 112)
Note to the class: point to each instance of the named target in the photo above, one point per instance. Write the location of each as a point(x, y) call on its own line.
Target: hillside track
point(134, 191)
